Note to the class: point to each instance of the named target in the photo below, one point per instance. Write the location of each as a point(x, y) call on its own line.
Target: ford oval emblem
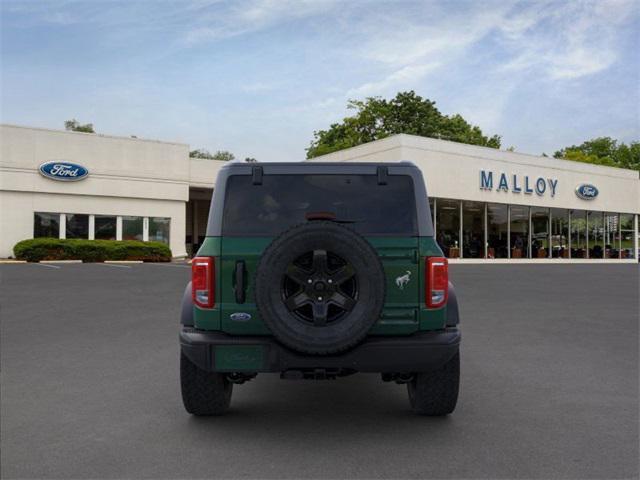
point(240, 317)
point(586, 191)
point(63, 171)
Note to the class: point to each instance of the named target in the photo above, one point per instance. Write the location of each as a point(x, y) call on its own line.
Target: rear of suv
point(317, 271)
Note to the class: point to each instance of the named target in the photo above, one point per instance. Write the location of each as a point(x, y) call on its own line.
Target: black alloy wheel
point(320, 287)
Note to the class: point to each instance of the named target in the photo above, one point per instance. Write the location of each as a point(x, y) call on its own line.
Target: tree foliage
point(74, 126)
point(223, 155)
point(604, 151)
point(377, 118)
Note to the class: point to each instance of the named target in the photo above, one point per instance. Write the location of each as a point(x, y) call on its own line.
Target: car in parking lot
point(318, 271)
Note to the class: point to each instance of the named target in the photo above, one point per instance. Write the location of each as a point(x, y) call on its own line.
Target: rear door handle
point(240, 276)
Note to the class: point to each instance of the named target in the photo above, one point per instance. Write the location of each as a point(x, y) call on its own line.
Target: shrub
point(36, 249)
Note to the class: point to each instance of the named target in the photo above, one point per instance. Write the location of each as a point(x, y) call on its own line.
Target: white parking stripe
point(46, 265)
point(170, 265)
point(112, 265)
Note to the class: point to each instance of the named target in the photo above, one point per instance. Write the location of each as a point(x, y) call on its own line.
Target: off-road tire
point(342, 241)
point(203, 393)
point(435, 393)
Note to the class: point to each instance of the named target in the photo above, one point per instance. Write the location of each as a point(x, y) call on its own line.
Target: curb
point(60, 261)
point(7, 261)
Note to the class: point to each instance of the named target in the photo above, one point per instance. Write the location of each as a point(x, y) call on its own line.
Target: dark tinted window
point(77, 226)
point(285, 200)
point(46, 225)
point(105, 227)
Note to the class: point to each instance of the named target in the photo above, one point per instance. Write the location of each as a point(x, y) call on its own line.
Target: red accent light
point(203, 283)
point(437, 281)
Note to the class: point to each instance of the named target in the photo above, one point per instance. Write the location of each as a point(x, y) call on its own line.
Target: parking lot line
point(47, 265)
point(113, 265)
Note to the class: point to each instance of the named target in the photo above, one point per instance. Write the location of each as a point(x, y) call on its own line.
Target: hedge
point(36, 249)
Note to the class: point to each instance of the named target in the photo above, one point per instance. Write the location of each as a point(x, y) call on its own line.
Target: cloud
point(400, 79)
point(565, 41)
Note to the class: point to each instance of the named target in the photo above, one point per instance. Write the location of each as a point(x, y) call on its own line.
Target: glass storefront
point(466, 229)
point(519, 228)
point(595, 237)
point(626, 236)
point(448, 226)
point(611, 235)
point(132, 228)
point(46, 225)
point(159, 229)
point(77, 226)
point(559, 233)
point(497, 230)
point(473, 230)
point(578, 234)
point(539, 232)
point(105, 227)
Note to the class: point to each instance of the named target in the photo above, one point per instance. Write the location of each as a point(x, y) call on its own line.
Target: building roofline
point(102, 135)
point(404, 140)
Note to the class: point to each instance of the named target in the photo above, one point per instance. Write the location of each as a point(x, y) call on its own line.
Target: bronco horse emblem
point(403, 280)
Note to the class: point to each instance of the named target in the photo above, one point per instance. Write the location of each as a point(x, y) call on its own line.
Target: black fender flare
point(186, 311)
point(453, 313)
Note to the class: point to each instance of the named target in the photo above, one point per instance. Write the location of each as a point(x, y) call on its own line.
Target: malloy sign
point(515, 183)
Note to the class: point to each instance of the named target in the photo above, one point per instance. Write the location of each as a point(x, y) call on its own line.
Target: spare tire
point(320, 287)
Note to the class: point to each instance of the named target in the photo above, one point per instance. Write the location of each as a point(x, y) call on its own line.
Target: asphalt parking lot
point(89, 377)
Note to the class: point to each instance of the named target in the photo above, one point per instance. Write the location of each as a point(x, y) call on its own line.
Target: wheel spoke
point(342, 275)
point(296, 301)
point(320, 313)
point(297, 274)
point(343, 301)
point(320, 261)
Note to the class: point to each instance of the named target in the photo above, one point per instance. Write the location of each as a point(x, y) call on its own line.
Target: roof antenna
point(383, 172)
point(256, 173)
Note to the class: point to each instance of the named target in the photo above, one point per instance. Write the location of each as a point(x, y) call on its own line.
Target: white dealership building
point(487, 205)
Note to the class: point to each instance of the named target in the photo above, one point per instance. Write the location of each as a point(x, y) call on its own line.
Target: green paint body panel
point(237, 358)
point(404, 310)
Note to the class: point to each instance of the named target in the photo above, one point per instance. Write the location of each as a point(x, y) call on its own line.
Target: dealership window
point(473, 230)
point(105, 227)
point(578, 234)
point(559, 233)
point(132, 228)
point(519, 235)
point(595, 236)
point(626, 236)
point(77, 226)
point(159, 229)
point(497, 231)
point(448, 231)
point(46, 225)
point(539, 232)
point(611, 235)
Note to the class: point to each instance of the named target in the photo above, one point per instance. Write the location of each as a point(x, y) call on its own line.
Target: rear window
point(282, 201)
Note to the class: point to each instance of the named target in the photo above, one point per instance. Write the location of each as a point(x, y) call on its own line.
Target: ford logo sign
point(240, 317)
point(63, 171)
point(586, 191)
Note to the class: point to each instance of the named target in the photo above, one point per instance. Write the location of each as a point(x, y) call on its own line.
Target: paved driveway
point(89, 381)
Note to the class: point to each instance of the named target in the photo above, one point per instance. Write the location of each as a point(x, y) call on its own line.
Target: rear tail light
point(437, 281)
point(203, 281)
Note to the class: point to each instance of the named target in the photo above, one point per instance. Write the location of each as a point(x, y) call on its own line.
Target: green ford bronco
point(317, 271)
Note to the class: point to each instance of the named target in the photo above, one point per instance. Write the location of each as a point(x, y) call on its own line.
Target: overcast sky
point(258, 77)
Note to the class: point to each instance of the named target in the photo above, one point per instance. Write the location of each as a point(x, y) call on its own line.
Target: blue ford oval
point(63, 171)
point(586, 191)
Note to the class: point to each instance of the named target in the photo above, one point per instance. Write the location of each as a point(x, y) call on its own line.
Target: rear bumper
point(420, 352)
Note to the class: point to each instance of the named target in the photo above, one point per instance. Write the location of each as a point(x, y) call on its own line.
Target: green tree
point(223, 155)
point(377, 118)
point(604, 151)
point(74, 126)
point(250, 160)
